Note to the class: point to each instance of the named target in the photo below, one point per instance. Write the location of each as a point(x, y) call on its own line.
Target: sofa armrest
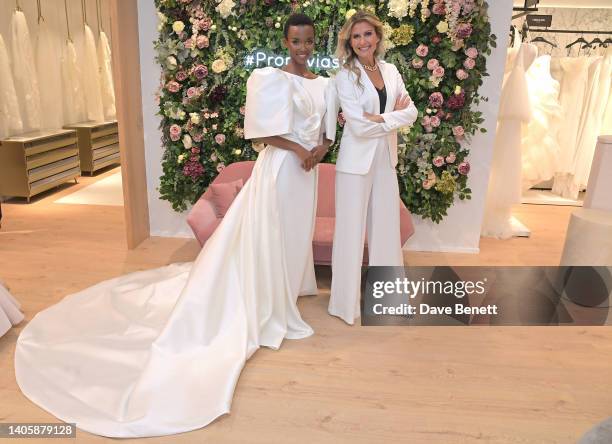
point(202, 219)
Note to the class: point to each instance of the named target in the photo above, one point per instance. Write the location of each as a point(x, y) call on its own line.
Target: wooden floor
point(345, 384)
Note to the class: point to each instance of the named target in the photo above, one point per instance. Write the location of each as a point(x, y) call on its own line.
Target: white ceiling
point(570, 3)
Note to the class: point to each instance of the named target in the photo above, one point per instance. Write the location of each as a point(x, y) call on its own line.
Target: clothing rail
point(569, 31)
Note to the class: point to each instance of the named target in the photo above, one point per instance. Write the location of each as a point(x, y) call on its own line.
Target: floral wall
point(166, 221)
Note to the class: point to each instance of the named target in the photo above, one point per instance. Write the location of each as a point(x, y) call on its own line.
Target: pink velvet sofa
point(205, 216)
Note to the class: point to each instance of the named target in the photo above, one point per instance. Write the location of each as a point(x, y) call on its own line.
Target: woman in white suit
point(375, 104)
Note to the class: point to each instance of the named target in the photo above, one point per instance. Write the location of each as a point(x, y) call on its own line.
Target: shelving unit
point(98, 144)
point(38, 161)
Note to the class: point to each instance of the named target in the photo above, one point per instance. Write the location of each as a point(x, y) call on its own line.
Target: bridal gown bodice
point(159, 352)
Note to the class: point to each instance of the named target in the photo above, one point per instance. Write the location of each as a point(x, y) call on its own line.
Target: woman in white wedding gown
point(160, 352)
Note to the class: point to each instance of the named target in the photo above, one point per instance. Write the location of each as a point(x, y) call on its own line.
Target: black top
point(382, 96)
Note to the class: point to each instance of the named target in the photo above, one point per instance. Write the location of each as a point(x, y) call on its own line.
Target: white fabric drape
point(540, 144)
point(91, 78)
point(10, 313)
point(49, 78)
point(504, 188)
point(106, 77)
point(74, 105)
point(24, 72)
point(10, 115)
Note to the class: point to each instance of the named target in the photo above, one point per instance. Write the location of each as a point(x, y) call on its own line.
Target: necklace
point(372, 68)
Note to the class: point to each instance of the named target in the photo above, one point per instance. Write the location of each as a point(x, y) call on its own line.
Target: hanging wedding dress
point(91, 79)
point(606, 126)
point(24, 71)
point(572, 97)
point(49, 78)
point(160, 352)
point(10, 115)
point(504, 188)
point(540, 145)
point(593, 119)
point(10, 314)
point(106, 77)
point(73, 103)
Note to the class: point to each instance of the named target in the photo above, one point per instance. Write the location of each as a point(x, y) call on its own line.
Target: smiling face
point(300, 43)
point(364, 41)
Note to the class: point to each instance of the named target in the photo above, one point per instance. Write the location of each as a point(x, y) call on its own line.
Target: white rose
point(171, 63)
point(187, 141)
point(237, 152)
point(219, 66)
point(224, 8)
point(277, 25)
point(195, 118)
point(178, 26)
point(349, 13)
point(181, 157)
point(442, 27)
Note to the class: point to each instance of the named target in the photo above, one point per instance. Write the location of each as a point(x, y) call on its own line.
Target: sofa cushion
point(223, 194)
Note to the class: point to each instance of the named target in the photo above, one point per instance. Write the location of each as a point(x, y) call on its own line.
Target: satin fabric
point(160, 352)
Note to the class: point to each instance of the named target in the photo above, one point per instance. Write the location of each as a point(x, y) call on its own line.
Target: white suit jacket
point(361, 136)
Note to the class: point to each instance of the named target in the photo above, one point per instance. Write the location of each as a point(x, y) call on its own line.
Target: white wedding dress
point(10, 115)
point(10, 313)
point(160, 352)
point(504, 188)
point(540, 144)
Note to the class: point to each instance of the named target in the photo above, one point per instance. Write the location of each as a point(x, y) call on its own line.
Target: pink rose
point(439, 9)
point(242, 110)
point(198, 137)
point(464, 168)
point(422, 50)
point(436, 99)
point(181, 75)
point(438, 72)
point(200, 71)
point(451, 158)
point(458, 131)
point(436, 39)
point(427, 184)
point(189, 44)
point(464, 30)
point(202, 42)
point(462, 75)
point(220, 167)
point(175, 132)
point(417, 63)
point(438, 161)
point(192, 91)
point(435, 121)
point(469, 63)
point(220, 139)
point(195, 150)
point(426, 121)
point(472, 53)
point(173, 86)
point(432, 64)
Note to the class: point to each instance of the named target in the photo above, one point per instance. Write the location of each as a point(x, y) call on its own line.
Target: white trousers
point(364, 202)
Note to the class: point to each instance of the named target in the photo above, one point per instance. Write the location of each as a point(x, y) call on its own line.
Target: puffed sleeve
point(405, 117)
point(331, 112)
point(269, 108)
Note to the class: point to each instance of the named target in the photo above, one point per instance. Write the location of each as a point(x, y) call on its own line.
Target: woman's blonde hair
point(345, 52)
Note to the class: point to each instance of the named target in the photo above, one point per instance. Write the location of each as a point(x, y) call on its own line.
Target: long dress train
point(160, 352)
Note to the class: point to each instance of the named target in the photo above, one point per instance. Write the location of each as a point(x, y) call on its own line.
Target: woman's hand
point(402, 103)
point(306, 157)
point(319, 152)
point(376, 118)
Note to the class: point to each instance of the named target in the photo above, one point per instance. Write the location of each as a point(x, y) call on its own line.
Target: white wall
point(164, 221)
point(460, 231)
